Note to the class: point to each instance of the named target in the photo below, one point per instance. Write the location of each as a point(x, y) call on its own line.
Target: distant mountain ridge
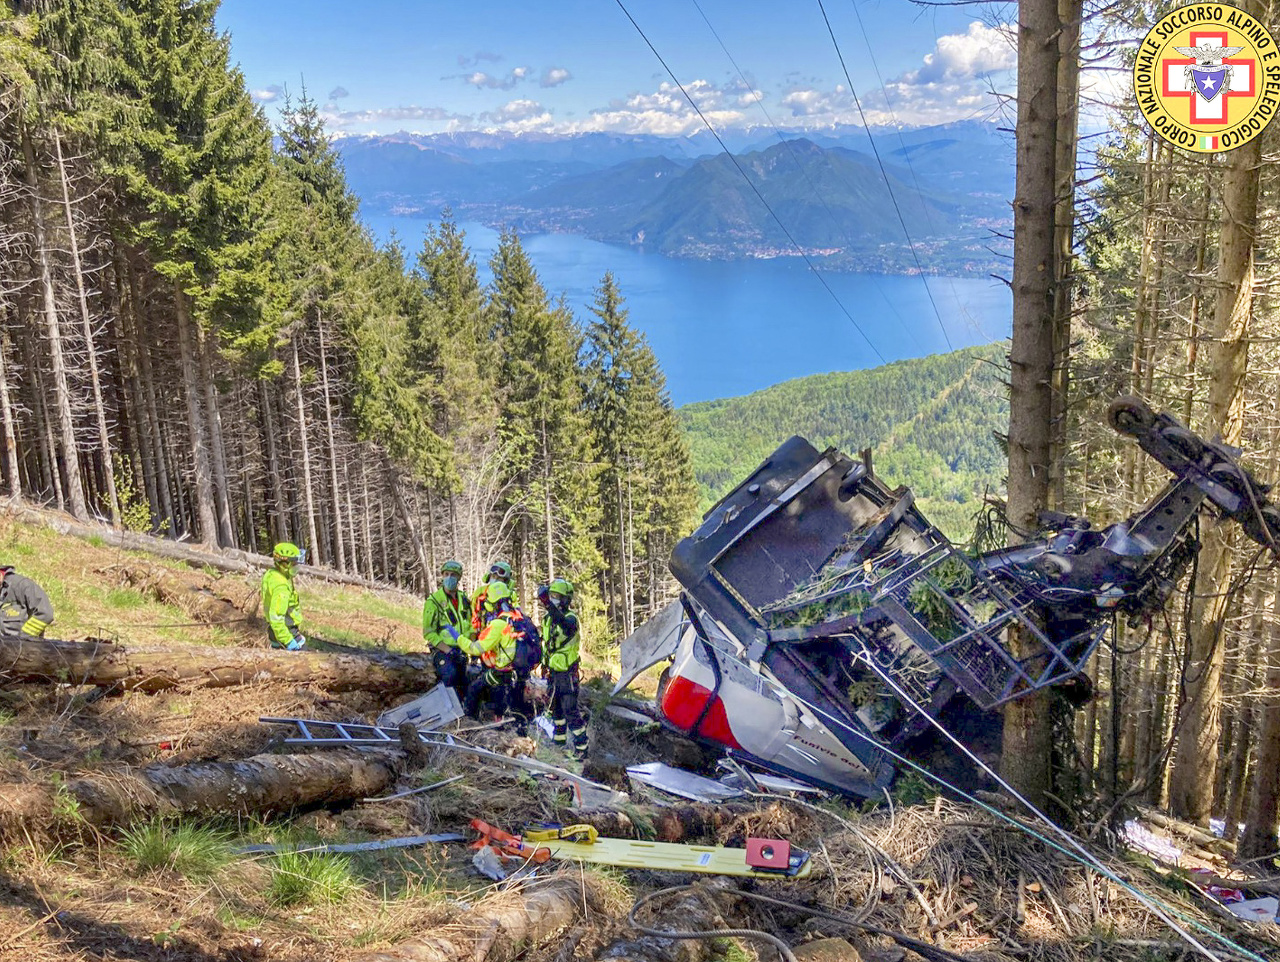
point(684, 197)
point(930, 423)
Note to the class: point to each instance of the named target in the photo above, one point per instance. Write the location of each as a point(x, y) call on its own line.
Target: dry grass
point(71, 892)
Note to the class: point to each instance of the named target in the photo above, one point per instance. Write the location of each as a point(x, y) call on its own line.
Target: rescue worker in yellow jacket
point(560, 657)
point(25, 609)
point(496, 649)
point(446, 626)
point(498, 571)
point(280, 598)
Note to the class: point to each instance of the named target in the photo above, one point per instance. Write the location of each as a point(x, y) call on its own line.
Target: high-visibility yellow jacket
point(559, 639)
point(281, 607)
point(440, 613)
point(24, 606)
point(496, 645)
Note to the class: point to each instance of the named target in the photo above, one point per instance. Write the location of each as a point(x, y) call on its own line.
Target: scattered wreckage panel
point(651, 643)
point(678, 782)
point(433, 710)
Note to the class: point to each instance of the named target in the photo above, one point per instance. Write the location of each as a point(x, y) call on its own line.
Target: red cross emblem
point(1173, 81)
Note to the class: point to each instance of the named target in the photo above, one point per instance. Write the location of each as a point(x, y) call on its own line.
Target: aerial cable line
point(906, 154)
point(792, 151)
point(885, 174)
point(754, 188)
point(1072, 847)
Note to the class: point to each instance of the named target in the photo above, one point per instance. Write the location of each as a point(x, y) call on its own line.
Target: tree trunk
point(206, 517)
point(305, 453)
point(217, 450)
point(277, 509)
point(1069, 14)
point(164, 487)
point(91, 351)
point(158, 669)
point(1195, 767)
point(257, 786)
point(1025, 760)
point(499, 927)
point(7, 414)
point(368, 534)
point(334, 490)
point(406, 516)
point(62, 393)
point(1259, 836)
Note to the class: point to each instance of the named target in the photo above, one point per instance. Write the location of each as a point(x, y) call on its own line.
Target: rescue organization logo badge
point(1207, 77)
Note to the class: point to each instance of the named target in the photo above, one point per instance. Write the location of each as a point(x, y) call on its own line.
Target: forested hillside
point(931, 423)
point(198, 338)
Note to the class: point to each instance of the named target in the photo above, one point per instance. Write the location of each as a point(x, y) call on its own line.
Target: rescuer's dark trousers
point(565, 715)
point(451, 670)
point(492, 684)
point(520, 704)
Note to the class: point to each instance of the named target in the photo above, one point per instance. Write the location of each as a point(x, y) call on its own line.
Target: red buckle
point(769, 854)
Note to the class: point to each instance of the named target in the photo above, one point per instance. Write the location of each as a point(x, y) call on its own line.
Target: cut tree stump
point(261, 785)
point(150, 669)
point(500, 927)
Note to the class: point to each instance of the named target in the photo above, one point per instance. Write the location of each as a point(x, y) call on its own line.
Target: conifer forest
point(199, 339)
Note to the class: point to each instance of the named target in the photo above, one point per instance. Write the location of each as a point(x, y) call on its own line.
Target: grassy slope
point(84, 583)
point(929, 422)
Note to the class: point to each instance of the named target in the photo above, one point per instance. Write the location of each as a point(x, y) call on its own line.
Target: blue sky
point(579, 65)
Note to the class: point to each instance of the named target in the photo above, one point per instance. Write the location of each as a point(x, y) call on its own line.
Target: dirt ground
point(947, 875)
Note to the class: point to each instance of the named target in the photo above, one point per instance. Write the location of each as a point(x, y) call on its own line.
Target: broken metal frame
point(353, 735)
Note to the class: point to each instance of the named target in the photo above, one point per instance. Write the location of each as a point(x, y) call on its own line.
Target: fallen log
point(223, 559)
point(150, 669)
point(691, 822)
point(1193, 832)
point(500, 927)
point(261, 785)
point(198, 601)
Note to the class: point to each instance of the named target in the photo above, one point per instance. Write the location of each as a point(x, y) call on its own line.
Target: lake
point(726, 328)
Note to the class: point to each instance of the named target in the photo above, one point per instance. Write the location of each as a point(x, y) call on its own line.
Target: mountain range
point(825, 192)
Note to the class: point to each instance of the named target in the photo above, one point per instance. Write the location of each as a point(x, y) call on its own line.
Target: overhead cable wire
point(750, 183)
point(1069, 847)
point(906, 154)
point(790, 148)
point(885, 174)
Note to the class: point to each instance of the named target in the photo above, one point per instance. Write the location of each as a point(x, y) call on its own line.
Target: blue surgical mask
point(451, 583)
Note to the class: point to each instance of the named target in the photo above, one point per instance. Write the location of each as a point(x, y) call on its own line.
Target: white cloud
point(555, 76)
point(956, 81)
point(343, 120)
point(979, 51)
point(480, 79)
point(518, 115)
point(267, 94)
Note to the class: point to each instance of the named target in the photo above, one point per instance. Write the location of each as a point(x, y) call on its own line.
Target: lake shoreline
point(730, 328)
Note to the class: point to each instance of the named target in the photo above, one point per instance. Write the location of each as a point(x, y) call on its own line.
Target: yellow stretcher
point(672, 857)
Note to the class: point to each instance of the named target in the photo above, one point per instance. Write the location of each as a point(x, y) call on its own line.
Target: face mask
point(451, 583)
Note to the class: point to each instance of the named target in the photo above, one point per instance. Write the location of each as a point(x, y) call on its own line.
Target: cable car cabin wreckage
point(823, 617)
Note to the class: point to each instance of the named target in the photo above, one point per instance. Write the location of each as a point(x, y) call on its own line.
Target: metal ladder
point(313, 731)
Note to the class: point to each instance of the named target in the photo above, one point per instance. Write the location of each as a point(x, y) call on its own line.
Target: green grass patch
point(97, 540)
point(193, 851)
point(125, 598)
point(310, 878)
point(234, 918)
